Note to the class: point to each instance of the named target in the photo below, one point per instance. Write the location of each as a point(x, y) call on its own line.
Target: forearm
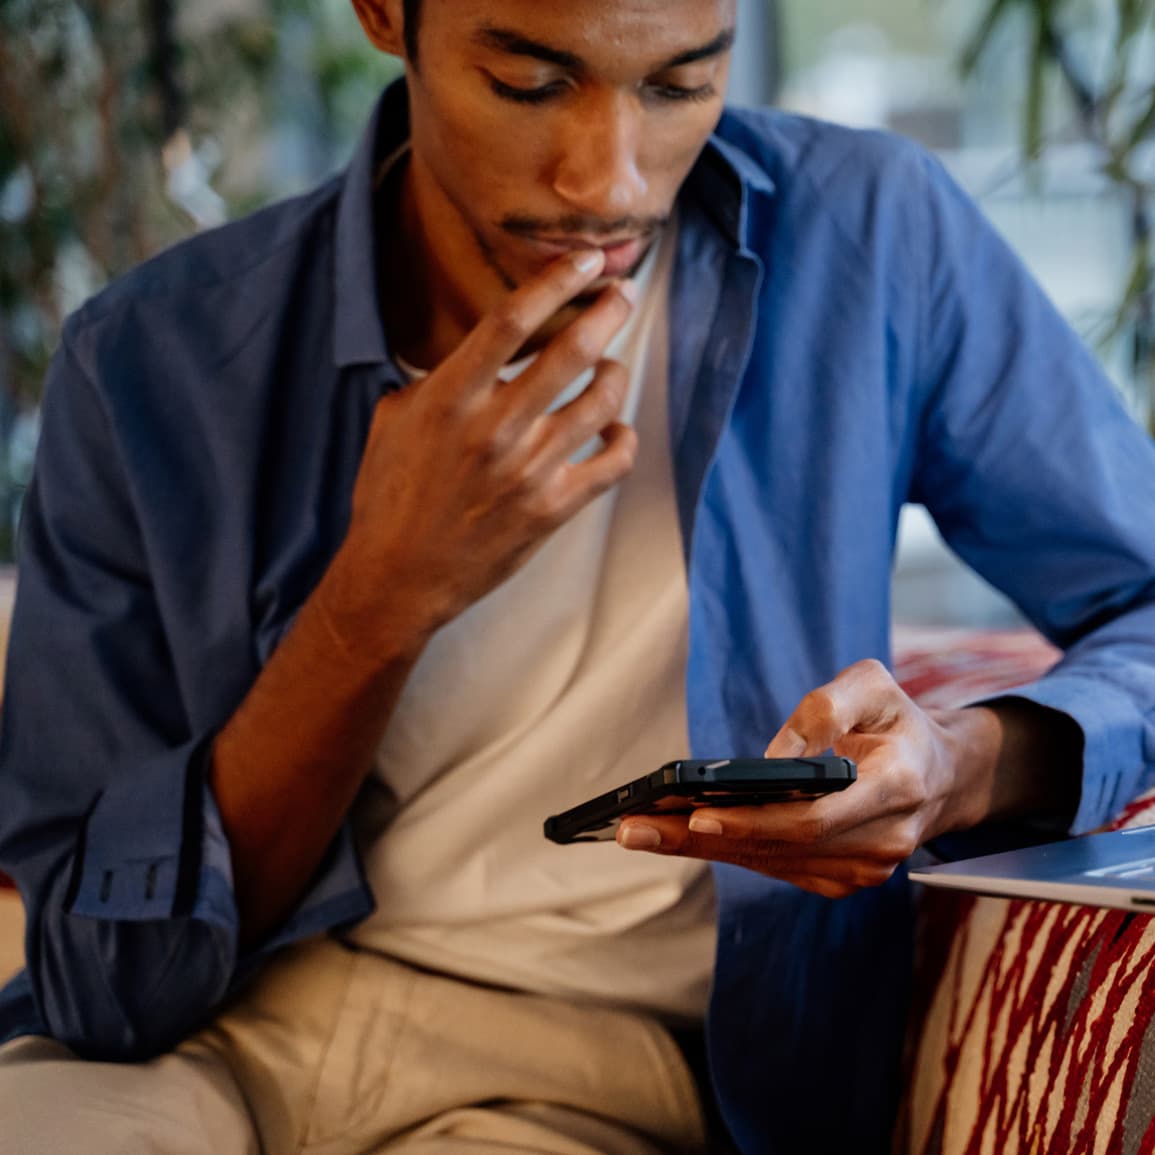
point(289, 763)
point(1016, 759)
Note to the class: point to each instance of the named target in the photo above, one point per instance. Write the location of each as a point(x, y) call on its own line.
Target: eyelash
point(670, 92)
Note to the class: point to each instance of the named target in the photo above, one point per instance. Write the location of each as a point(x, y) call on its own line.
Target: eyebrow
point(514, 44)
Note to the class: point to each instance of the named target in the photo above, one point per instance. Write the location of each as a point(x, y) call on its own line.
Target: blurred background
point(126, 126)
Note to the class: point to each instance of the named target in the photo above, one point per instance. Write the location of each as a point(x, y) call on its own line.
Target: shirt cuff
point(1115, 768)
point(154, 848)
point(138, 839)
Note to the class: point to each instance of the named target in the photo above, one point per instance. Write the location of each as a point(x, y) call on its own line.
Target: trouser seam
point(302, 1141)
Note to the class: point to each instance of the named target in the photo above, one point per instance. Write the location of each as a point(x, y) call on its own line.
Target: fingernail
point(700, 824)
point(640, 838)
point(787, 744)
point(629, 290)
point(589, 260)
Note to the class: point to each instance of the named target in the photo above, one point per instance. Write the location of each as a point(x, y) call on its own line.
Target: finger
point(600, 472)
point(891, 838)
point(575, 350)
point(501, 334)
point(888, 794)
point(863, 697)
point(671, 836)
point(884, 804)
point(595, 409)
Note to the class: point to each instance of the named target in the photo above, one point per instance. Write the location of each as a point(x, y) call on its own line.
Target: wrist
point(972, 740)
point(1014, 759)
point(367, 618)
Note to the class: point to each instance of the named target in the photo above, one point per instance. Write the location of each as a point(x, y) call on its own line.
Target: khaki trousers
point(336, 1051)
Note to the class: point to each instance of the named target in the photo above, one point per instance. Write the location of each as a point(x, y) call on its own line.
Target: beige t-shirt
point(563, 683)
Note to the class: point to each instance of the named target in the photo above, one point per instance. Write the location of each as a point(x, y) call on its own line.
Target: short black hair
point(412, 14)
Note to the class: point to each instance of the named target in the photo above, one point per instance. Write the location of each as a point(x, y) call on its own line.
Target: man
point(565, 434)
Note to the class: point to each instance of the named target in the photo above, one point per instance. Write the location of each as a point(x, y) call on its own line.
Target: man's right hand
point(465, 475)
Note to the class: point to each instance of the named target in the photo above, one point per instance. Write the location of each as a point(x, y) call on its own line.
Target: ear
point(384, 24)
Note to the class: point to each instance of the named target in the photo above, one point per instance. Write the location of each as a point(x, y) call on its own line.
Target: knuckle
point(490, 444)
point(624, 451)
point(909, 789)
point(613, 466)
point(881, 874)
point(820, 706)
point(906, 842)
point(873, 668)
point(523, 486)
point(613, 382)
point(629, 445)
point(510, 324)
point(607, 404)
point(871, 874)
point(896, 848)
point(582, 346)
point(543, 508)
point(815, 828)
point(483, 449)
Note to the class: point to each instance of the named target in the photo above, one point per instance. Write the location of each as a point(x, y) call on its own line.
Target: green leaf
point(1036, 83)
point(979, 43)
point(1144, 125)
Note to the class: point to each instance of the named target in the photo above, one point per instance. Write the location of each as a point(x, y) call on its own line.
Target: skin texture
point(464, 477)
point(598, 155)
point(921, 774)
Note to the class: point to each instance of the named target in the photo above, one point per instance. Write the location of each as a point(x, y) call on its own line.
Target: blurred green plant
point(1113, 107)
point(123, 126)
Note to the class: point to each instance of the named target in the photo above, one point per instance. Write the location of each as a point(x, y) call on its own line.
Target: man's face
point(541, 127)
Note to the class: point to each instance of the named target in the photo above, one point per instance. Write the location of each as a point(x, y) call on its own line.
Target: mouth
point(622, 256)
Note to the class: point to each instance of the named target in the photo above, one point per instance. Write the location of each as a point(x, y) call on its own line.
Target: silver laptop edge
point(1114, 870)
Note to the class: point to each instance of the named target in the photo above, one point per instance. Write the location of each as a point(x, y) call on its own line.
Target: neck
point(428, 310)
point(435, 281)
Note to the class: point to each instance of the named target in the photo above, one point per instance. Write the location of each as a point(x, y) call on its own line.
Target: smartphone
point(682, 787)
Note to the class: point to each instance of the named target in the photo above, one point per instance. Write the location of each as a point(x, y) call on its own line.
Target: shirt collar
point(723, 179)
point(359, 335)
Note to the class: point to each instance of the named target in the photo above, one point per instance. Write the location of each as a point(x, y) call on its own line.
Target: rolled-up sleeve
point(107, 822)
point(1041, 481)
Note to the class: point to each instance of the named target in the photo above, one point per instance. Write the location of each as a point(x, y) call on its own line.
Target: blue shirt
point(848, 334)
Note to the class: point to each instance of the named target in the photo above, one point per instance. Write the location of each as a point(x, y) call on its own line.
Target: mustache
point(579, 226)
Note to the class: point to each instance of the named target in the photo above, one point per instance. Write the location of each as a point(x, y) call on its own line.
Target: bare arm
point(463, 478)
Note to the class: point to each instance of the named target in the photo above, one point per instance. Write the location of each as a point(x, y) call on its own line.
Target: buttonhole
point(150, 882)
point(106, 886)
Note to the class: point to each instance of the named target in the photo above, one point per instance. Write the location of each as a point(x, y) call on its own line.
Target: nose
point(597, 171)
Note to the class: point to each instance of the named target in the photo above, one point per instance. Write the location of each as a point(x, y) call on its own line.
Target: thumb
point(863, 697)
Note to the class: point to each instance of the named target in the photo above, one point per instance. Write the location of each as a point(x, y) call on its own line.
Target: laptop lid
point(1116, 869)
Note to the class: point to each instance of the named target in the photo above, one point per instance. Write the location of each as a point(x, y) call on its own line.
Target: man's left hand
point(920, 774)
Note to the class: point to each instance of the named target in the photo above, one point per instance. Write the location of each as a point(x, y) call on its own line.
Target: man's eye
point(677, 92)
point(538, 95)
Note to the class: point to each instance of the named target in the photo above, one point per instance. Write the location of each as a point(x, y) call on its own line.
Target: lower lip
point(620, 259)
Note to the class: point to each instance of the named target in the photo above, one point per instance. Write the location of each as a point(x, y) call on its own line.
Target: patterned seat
point(1034, 1022)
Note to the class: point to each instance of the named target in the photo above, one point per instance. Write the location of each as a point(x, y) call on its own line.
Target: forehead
point(641, 31)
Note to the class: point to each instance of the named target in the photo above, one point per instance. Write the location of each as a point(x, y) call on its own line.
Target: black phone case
point(682, 787)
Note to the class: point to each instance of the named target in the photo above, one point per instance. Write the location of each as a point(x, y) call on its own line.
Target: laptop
point(1116, 869)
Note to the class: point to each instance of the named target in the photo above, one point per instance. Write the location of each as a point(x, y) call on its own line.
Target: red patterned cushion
point(1039, 1032)
point(1034, 1021)
point(949, 667)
